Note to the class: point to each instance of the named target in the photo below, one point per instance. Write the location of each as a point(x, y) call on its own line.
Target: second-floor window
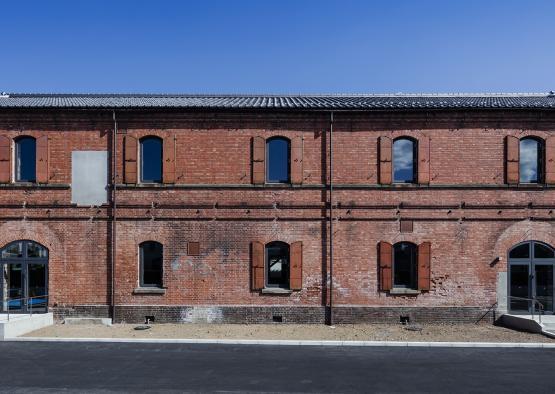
point(404, 160)
point(25, 159)
point(531, 160)
point(277, 160)
point(151, 160)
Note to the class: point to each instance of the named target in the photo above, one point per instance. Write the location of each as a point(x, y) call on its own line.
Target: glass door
point(543, 286)
point(519, 278)
point(12, 288)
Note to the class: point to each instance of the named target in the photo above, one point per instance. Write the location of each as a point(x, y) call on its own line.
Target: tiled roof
point(299, 102)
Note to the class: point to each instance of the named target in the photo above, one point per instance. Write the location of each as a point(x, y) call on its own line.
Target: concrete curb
point(292, 342)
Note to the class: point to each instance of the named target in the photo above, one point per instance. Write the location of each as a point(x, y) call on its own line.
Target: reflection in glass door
point(520, 287)
point(12, 287)
point(543, 280)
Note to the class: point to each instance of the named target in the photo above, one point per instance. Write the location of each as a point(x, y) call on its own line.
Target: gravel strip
point(344, 332)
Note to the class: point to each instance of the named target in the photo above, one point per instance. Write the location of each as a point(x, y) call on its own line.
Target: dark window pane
point(520, 252)
point(519, 287)
point(542, 251)
point(529, 160)
point(13, 286)
point(277, 165)
point(151, 160)
point(277, 258)
point(403, 161)
point(36, 250)
point(37, 285)
point(25, 159)
point(404, 265)
point(151, 264)
point(12, 251)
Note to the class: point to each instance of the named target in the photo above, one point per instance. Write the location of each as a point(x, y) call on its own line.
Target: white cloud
point(528, 160)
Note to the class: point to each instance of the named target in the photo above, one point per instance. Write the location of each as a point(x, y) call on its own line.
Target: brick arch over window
point(519, 232)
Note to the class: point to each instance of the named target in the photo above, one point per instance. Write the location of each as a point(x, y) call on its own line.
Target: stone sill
point(404, 291)
point(149, 290)
point(276, 290)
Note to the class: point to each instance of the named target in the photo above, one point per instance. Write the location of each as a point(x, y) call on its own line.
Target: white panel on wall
point(89, 177)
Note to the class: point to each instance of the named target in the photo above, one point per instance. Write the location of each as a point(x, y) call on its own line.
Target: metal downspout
point(331, 219)
point(113, 240)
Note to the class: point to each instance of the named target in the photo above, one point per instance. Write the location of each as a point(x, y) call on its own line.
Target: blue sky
point(299, 46)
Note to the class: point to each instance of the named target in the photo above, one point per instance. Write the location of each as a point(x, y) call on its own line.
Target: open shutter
point(512, 153)
point(550, 160)
point(42, 159)
point(168, 165)
point(257, 265)
point(424, 265)
point(385, 253)
point(258, 160)
point(424, 160)
point(297, 160)
point(130, 157)
point(296, 266)
point(5, 155)
point(385, 160)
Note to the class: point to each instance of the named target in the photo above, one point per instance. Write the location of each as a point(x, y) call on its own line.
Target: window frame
point(17, 161)
point(414, 142)
point(414, 267)
point(267, 161)
point(267, 266)
point(540, 163)
point(141, 266)
point(142, 161)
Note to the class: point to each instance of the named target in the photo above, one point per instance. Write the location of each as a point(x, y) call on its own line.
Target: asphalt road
point(115, 367)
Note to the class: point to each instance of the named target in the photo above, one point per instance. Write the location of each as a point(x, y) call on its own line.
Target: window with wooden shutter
point(130, 157)
point(258, 160)
point(296, 266)
point(424, 265)
point(5, 155)
point(550, 160)
point(297, 160)
point(424, 160)
point(512, 149)
point(385, 160)
point(257, 265)
point(168, 164)
point(385, 257)
point(42, 159)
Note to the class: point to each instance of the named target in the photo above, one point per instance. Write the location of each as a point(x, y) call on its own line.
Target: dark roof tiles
point(303, 102)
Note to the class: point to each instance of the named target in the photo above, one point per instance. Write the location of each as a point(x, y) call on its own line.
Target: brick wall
point(468, 213)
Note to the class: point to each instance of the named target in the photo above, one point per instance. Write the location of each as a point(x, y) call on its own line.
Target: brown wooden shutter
point(424, 160)
point(424, 265)
point(296, 266)
point(512, 154)
point(385, 160)
point(550, 160)
point(5, 156)
point(297, 161)
point(168, 165)
point(42, 159)
point(258, 160)
point(385, 251)
point(130, 157)
point(257, 265)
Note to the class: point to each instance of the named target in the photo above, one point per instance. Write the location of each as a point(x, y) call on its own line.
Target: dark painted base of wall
point(280, 314)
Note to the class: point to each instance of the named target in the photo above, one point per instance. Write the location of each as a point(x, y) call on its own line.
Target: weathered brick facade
point(468, 213)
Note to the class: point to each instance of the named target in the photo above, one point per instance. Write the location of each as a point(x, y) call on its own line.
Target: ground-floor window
point(277, 264)
point(404, 265)
point(151, 264)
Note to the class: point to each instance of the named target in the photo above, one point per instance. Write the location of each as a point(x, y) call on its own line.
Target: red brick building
point(360, 208)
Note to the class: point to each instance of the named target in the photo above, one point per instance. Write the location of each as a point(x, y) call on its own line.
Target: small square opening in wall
point(149, 319)
point(277, 319)
point(406, 226)
point(404, 319)
point(193, 248)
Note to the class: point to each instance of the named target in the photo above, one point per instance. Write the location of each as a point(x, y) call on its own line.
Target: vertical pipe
point(113, 238)
point(331, 219)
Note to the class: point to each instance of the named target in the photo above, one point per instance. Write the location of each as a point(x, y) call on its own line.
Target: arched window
point(531, 160)
point(277, 264)
point(404, 160)
point(151, 160)
point(151, 264)
point(25, 159)
point(404, 265)
point(277, 160)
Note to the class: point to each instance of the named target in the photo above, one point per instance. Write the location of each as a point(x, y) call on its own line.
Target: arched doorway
point(24, 277)
point(531, 276)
